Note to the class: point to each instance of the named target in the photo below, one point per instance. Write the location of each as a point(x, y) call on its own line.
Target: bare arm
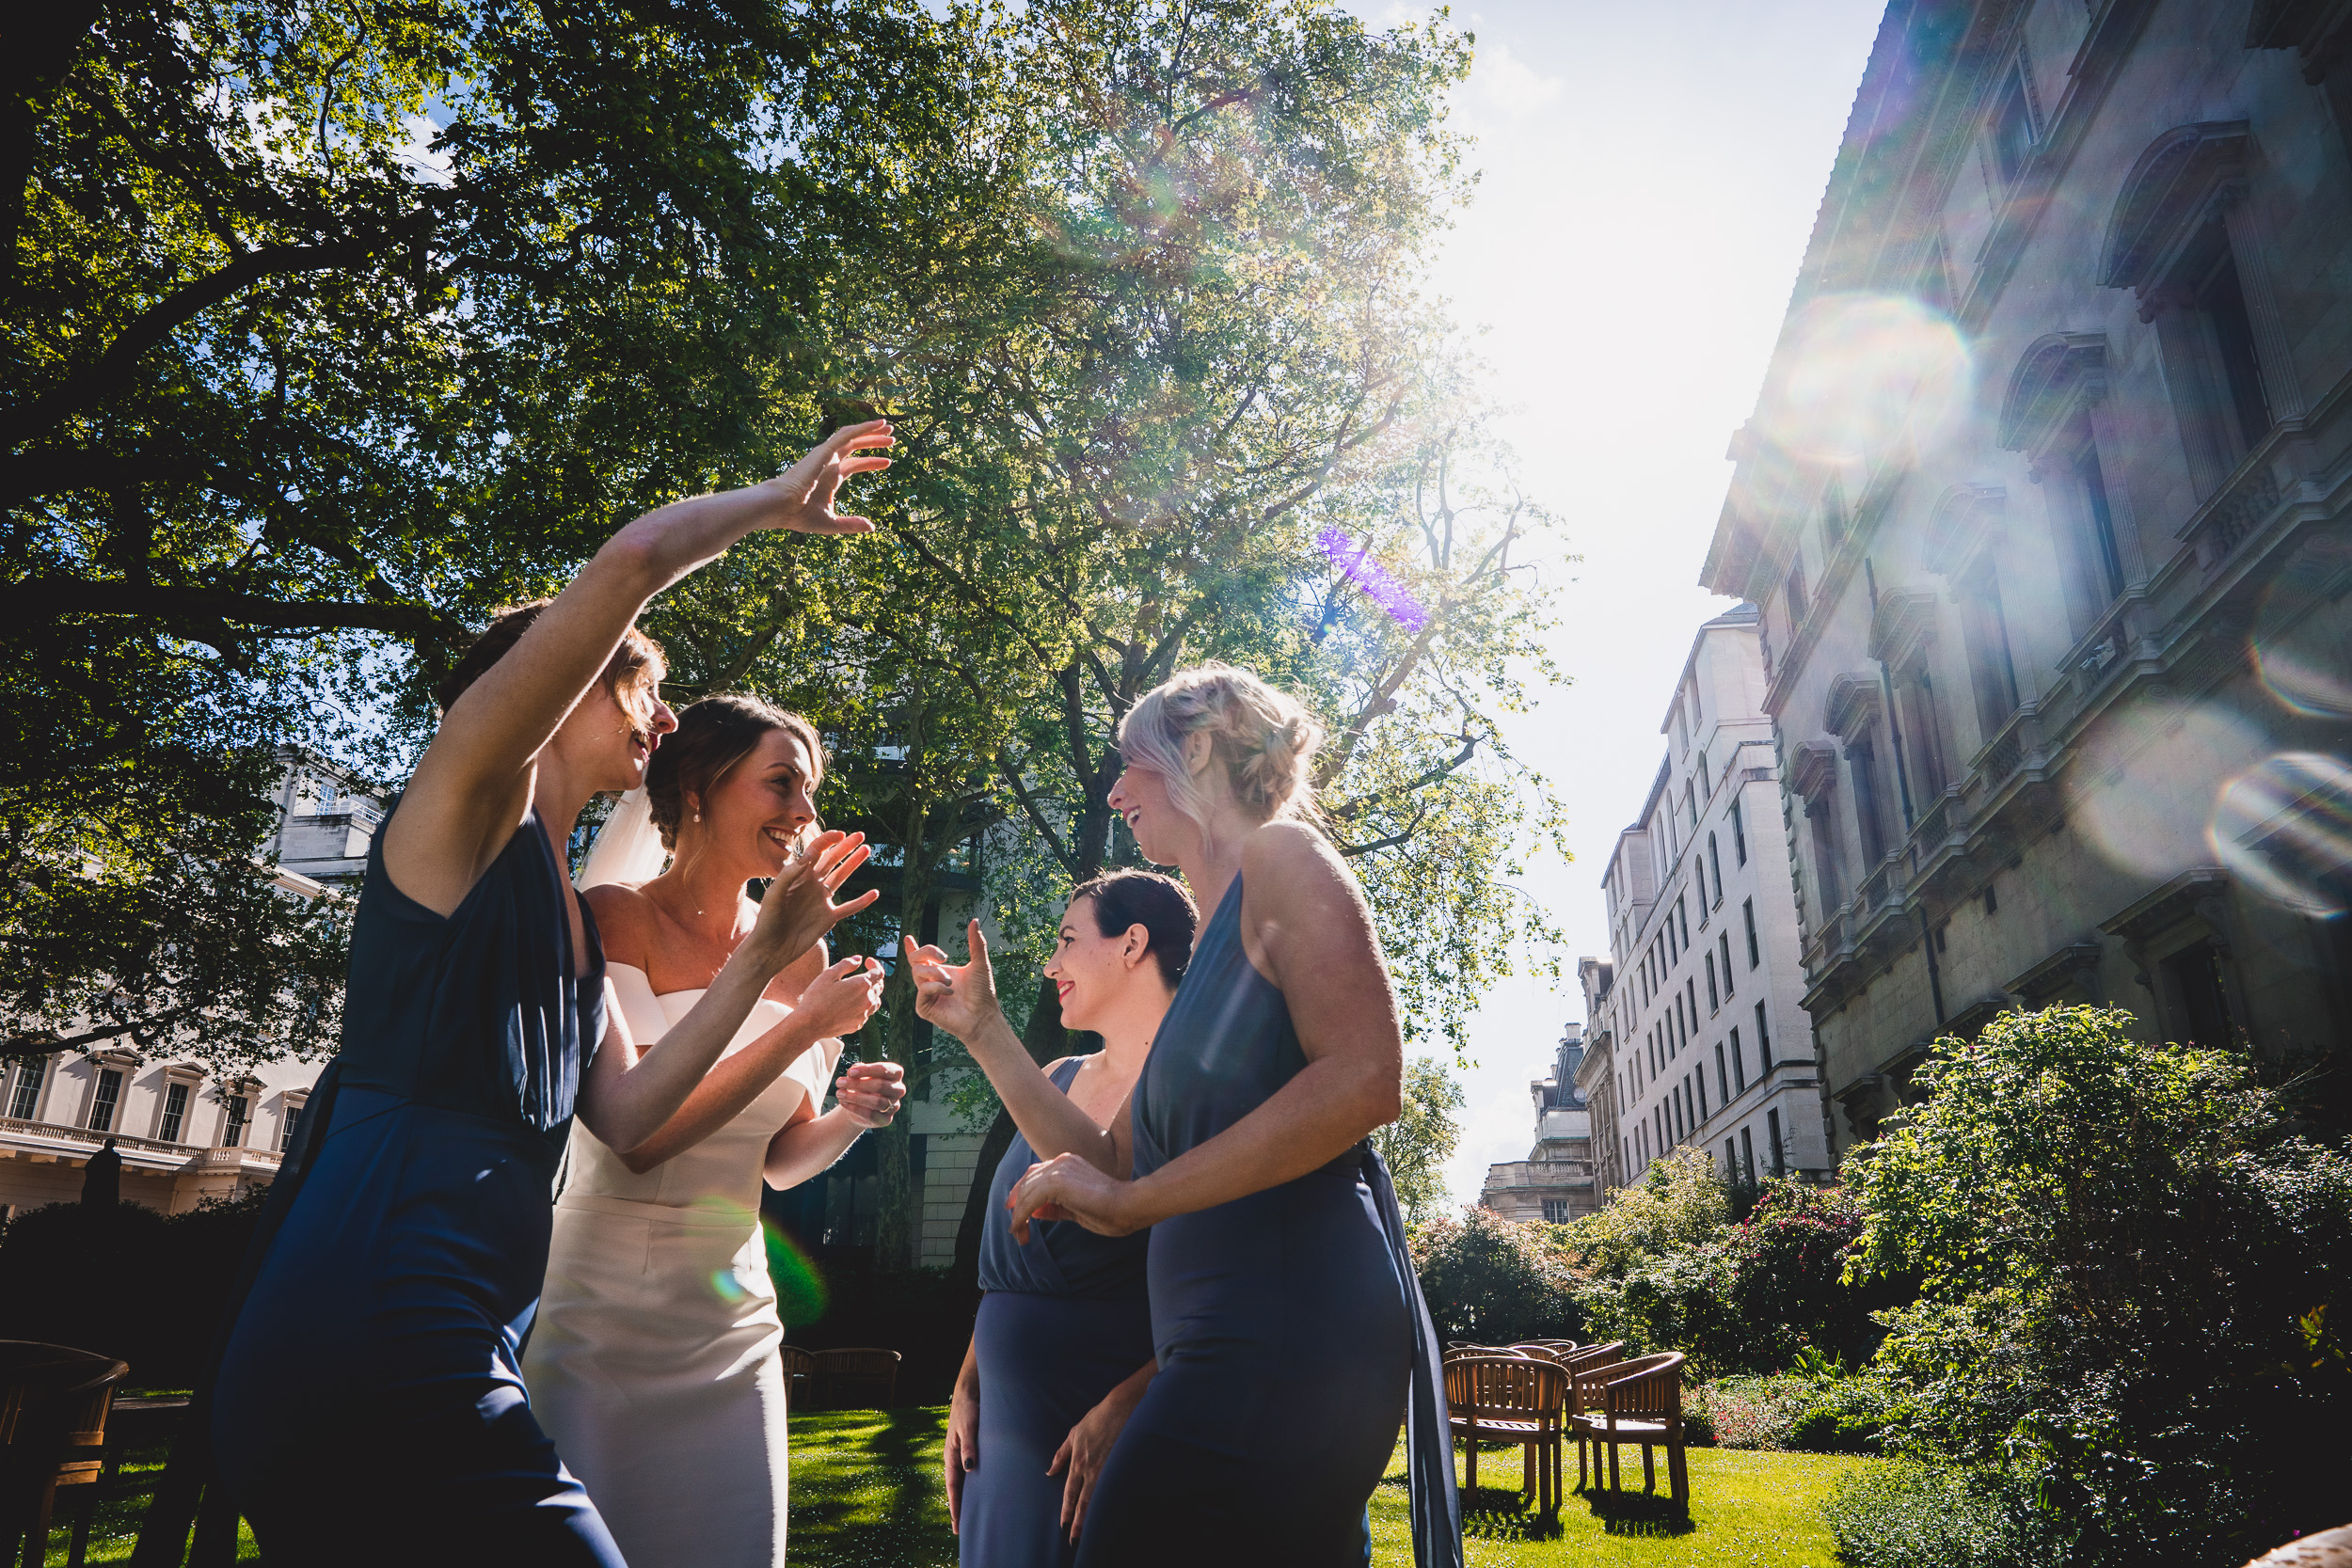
point(628, 1097)
point(1304, 914)
point(835, 1004)
point(867, 1096)
point(473, 783)
point(962, 1001)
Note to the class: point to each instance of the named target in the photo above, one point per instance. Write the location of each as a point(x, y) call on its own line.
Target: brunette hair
point(1158, 904)
point(636, 664)
point(1265, 740)
point(713, 736)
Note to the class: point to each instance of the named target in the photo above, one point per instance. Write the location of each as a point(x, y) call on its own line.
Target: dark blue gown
point(368, 1408)
point(1290, 1328)
point(1065, 1320)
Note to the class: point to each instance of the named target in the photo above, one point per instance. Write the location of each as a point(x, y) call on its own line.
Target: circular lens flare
point(2145, 799)
point(2298, 645)
point(2283, 828)
point(801, 1293)
point(1866, 375)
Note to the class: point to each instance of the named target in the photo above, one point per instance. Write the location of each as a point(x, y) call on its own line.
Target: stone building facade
point(1595, 1075)
point(1709, 1045)
point(186, 1134)
point(1556, 1182)
point(2044, 500)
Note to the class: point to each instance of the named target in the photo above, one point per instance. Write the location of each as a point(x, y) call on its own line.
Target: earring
point(698, 816)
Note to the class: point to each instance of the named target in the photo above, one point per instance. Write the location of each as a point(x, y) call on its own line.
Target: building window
point(1723, 946)
point(1738, 1067)
point(1699, 1082)
point(175, 1112)
point(1690, 806)
point(1713, 1002)
point(1739, 837)
point(2009, 130)
point(103, 1104)
point(2098, 564)
point(1986, 631)
point(1747, 1156)
point(1682, 913)
point(1772, 1134)
point(233, 1129)
point(1747, 913)
point(1698, 869)
point(1923, 727)
point(290, 1126)
point(1763, 1041)
point(1869, 808)
point(1715, 865)
point(2210, 357)
point(1820, 818)
point(1731, 1161)
point(2197, 979)
point(1556, 1211)
point(1723, 1080)
point(1793, 591)
point(25, 1097)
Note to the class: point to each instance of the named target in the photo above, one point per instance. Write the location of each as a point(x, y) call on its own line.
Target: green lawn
point(865, 1493)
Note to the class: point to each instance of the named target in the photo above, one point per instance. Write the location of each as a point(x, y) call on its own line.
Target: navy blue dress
point(1289, 1324)
point(368, 1408)
point(1065, 1320)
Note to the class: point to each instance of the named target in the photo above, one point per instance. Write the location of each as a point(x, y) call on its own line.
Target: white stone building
point(1709, 1043)
point(1556, 1181)
point(184, 1135)
point(2045, 500)
point(1597, 1076)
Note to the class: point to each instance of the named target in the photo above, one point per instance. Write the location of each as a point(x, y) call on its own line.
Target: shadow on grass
point(866, 1489)
point(1637, 1513)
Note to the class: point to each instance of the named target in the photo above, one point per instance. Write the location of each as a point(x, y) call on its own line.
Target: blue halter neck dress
point(368, 1406)
point(1065, 1320)
point(1289, 1324)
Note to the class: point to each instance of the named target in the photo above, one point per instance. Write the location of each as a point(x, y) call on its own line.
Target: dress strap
point(1428, 1439)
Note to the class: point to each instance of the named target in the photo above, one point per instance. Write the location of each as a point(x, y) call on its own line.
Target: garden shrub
point(2129, 1267)
point(1493, 1281)
point(1910, 1516)
point(1822, 1412)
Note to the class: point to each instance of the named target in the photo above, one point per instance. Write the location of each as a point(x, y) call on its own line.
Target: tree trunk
point(1048, 1040)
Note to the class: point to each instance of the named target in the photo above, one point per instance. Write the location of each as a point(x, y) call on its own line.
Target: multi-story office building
point(2045, 502)
point(184, 1133)
point(1595, 1075)
point(1556, 1181)
point(1708, 1044)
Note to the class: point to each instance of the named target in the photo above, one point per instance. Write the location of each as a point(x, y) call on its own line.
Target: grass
point(866, 1494)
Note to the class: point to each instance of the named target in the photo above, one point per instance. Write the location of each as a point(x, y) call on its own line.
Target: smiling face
point(758, 812)
point(1093, 972)
point(1162, 832)
point(611, 734)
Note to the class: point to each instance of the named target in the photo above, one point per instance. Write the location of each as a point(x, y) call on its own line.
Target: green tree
point(2132, 1276)
point(1422, 1138)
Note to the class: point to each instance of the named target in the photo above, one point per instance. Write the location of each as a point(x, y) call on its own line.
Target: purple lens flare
point(1370, 576)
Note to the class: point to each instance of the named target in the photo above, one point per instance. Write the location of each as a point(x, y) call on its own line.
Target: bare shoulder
point(624, 920)
point(1286, 861)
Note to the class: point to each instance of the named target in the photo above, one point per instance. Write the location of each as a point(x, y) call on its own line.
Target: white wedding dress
point(653, 1364)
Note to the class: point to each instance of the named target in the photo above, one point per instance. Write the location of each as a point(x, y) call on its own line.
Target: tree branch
point(39, 599)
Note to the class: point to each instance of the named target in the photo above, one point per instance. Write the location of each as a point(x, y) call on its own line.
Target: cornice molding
point(2318, 30)
point(2184, 177)
point(1965, 518)
point(1851, 705)
point(2057, 376)
point(1813, 770)
point(1904, 627)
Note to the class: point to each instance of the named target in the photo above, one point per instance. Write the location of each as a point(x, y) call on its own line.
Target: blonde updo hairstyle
point(1261, 735)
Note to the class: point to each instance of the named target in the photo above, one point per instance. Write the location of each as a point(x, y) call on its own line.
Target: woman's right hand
point(963, 1453)
point(798, 908)
point(838, 1001)
point(961, 999)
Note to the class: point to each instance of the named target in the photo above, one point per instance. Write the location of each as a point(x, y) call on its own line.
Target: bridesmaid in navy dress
point(1289, 1325)
point(366, 1408)
point(1062, 1347)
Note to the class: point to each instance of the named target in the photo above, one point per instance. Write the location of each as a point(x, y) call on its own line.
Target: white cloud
point(417, 152)
point(1504, 84)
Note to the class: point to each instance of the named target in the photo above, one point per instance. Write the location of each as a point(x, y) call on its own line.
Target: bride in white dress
point(654, 1362)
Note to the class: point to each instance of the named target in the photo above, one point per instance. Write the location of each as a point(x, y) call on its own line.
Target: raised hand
point(799, 909)
point(840, 1000)
point(1066, 1187)
point(869, 1093)
point(959, 998)
point(803, 496)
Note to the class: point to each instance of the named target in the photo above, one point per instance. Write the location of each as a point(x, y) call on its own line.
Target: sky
point(1650, 173)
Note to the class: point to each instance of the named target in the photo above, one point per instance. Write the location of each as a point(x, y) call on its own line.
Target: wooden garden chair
point(1511, 1398)
point(1637, 1401)
point(845, 1374)
point(1585, 1368)
point(1541, 1351)
point(53, 1433)
point(800, 1376)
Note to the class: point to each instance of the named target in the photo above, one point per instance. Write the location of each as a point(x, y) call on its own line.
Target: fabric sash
point(1428, 1439)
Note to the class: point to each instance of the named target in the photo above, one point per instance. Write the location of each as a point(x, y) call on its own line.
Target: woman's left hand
point(869, 1093)
point(1067, 1187)
point(1088, 1447)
